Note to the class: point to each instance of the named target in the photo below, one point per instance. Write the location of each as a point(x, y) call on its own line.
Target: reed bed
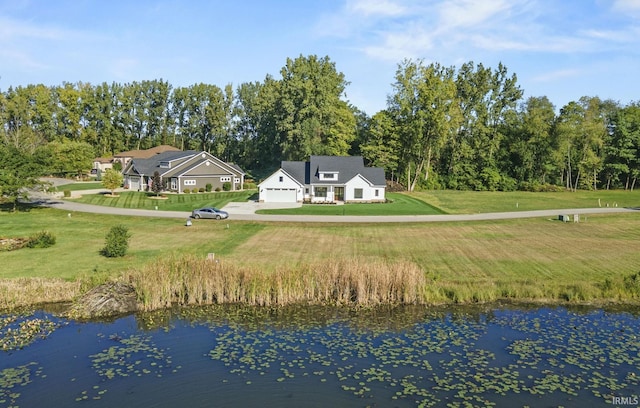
point(353, 282)
point(190, 280)
point(21, 292)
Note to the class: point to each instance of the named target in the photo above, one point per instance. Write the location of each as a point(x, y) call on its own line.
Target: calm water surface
point(318, 356)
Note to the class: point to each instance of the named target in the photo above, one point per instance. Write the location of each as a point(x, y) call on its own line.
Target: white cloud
point(471, 13)
point(627, 5)
point(20, 58)
point(397, 46)
point(392, 30)
point(376, 8)
point(11, 30)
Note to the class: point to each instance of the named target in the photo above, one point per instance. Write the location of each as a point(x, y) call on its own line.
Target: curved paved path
point(245, 212)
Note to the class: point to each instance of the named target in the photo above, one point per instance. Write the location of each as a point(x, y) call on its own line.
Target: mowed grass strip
point(531, 249)
point(172, 202)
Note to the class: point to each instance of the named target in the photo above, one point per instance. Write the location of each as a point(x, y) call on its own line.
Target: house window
point(281, 179)
point(329, 176)
point(376, 192)
point(225, 179)
point(189, 182)
point(164, 165)
point(306, 191)
point(236, 180)
point(321, 192)
point(174, 184)
point(357, 193)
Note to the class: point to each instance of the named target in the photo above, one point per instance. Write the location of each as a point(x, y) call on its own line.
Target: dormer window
point(165, 164)
point(328, 176)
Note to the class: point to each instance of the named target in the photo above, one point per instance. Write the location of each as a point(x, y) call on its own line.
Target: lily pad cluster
point(11, 379)
point(550, 356)
point(18, 332)
point(135, 355)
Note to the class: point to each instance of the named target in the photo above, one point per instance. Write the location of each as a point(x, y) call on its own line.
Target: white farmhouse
point(324, 179)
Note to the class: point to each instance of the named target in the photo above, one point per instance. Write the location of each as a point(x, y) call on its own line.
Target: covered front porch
point(326, 194)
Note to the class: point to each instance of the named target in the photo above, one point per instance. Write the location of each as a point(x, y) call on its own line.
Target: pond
point(495, 355)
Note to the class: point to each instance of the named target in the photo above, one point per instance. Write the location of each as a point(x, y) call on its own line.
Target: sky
point(561, 49)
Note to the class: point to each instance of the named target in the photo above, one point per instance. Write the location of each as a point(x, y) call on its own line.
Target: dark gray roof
point(236, 168)
point(375, 175)
point(297, 170)
point(347, 168)
point(151, 165)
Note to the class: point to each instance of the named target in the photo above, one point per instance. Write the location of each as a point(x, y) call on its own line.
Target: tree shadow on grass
point(20, 207)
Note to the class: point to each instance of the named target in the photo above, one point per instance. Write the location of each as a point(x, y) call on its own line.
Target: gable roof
point(347, 168)
point(145, 154)
point(149, 166)
point(297, 170)
point(179, 163)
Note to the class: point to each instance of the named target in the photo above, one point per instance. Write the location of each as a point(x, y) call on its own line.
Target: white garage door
point(134, 184)
point(281, 195)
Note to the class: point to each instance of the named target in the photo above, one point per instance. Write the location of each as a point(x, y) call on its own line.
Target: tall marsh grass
point(191, 280)
point(23, 292)
point(355, 282)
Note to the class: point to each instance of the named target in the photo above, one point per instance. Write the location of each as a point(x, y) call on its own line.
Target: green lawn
point(79, 186)
point(173, 202)
point(399, 204)
point(80, 237)
point(470, 202)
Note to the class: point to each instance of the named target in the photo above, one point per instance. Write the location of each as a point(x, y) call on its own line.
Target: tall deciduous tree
point(530, 142)
point(310, 114)
point(426, 114)
point(486, 97)
point(20, 174)
point(622, 163)
point(71, 157)
point(381, 143)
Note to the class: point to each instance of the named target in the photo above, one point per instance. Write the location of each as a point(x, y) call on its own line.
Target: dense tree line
point(444, 127)
point(469, 128)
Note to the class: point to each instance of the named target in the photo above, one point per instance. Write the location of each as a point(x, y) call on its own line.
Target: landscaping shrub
point(217, 189)
point(208, 187)
point(249, 186)
point(42, 239)
point(186, 191)
point(67, 193)
point(226, 186)
point(116, 242)
point(201, 190)
point(539, 187)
